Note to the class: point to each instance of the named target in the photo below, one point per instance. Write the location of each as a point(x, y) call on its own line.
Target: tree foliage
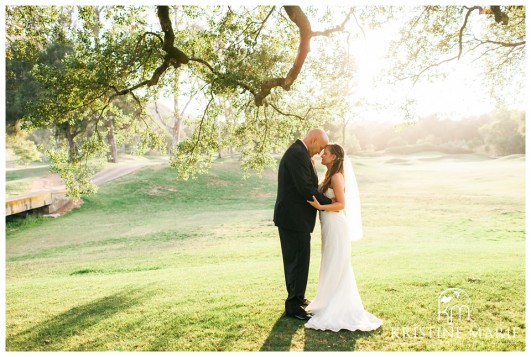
point(89, 71)
point(237, 54)
point(491, 37)
point(506, 135)
point(25, 150)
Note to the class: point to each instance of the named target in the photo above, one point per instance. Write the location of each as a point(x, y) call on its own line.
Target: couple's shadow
point(281, 337)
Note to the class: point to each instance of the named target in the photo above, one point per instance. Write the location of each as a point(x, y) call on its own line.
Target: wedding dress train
point(337, 304)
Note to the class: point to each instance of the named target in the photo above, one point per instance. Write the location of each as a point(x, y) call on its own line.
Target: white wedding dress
point(337, 304)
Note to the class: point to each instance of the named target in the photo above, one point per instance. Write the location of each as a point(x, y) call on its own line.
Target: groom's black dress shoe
point(302, 315)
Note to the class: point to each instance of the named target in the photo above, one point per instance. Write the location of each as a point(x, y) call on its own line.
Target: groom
point(295, 218)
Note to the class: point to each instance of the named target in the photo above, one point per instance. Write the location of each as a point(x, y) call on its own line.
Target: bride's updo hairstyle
point(337, 165)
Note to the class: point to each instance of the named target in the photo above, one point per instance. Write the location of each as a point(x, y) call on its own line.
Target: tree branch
point(337, 28)
point(221, 75)
point(493, 9)
point(201, 124)
point(202, 61)
point(153, 34)
point(174, 56)
point(263, 23)
point(463, 29)
point(286, 114)
point(499, 16)
point(417, 76)
point(493, 49)
point(361, 28)
point(505, 44)
point(178, 57)
point(300, 19)
point(294, 115)
point(150, 82)
point(190, 99)
point(297, 16)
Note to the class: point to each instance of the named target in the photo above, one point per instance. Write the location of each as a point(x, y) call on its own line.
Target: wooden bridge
point(48, 201)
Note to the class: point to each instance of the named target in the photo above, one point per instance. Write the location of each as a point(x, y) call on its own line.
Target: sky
point(459, 95)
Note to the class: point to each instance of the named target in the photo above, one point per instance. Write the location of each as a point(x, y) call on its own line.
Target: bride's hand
point(315, 203)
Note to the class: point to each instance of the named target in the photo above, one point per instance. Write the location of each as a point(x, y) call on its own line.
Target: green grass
point(154, 264)
point(28, 172)
point(19, 181)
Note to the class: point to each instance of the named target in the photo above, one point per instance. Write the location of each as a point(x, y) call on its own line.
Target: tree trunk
point(344, 133)
point(111, 140)
point(220, 140)
point(72, 148)
point(177, 116)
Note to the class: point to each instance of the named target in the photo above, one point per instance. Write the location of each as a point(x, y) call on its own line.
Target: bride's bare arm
point(338, 185)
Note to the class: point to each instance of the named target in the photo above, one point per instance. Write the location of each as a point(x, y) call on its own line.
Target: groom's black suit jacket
point(297, 183)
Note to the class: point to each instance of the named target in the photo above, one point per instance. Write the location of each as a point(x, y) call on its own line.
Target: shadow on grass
point(51, 335)
point(281, 335)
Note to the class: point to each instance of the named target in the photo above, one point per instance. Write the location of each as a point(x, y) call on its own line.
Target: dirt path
point(48, 183)
point(53, 182)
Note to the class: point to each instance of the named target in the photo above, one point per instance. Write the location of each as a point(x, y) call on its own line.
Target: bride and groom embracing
point(337, 304)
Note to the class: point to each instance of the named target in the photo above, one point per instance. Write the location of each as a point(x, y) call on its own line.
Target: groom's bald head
point(316, 140)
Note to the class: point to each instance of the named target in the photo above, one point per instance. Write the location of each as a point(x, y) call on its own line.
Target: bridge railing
point(32, 201)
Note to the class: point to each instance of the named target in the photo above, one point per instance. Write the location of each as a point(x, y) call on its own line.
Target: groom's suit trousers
point(296, 256)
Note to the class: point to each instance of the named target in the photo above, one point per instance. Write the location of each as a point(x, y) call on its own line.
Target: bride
point(337, 304)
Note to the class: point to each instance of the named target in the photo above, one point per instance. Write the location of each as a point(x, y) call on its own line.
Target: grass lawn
point(19, 181)
point(154, 264)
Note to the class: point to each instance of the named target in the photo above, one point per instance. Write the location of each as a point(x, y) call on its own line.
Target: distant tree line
point(498, 133)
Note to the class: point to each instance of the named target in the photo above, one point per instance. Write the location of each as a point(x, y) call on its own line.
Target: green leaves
point(192, 158)
point(25, 150)
point(95, 66)
point(76, 172)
